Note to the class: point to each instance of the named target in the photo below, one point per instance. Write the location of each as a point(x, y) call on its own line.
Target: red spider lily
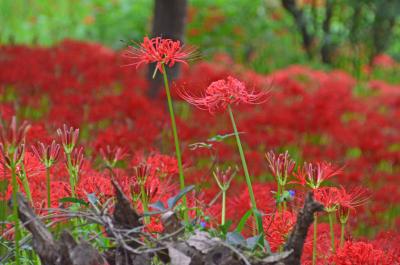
point(13, 136)
point(330, 197)
point(281, 166)
point(160, 51)
point(350, 200)
point(69, 138)
point(112, 156)
point(12, 142)
point(222, 93)
point(77, 159)
point(224, 177)
point(142, 172)
point(47, 155)
point(313, 175)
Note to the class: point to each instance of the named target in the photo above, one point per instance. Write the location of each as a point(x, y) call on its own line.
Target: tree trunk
point(168, 22)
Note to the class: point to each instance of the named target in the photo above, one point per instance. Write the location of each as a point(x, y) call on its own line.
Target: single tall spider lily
point(164, 52)
point(69, 138)
point(48, 155)
point(220, 96)
point(281, 167)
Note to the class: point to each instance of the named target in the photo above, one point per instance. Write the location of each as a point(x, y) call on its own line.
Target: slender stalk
point(342, 228)
point(144, 203)
point(278, 195)
point(71, 174)
point(176, 140)
point(223, 207)
point(48, 187)
point(331, 231)
point(15, 213)
point(314, 254)
point(25, 183)
point(246, 173)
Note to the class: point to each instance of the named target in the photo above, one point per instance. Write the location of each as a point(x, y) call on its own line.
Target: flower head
point(69, 138)
point(12, 142)
point(313, 175)
point(47, 154)
point(281, 166)
point(222, 93)
point(112, 156)
point(160, 51)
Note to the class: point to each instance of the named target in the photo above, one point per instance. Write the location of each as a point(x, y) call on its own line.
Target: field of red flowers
point(318, 117)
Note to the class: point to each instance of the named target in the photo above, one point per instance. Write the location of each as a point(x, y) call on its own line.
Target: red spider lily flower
point(13, 136)
point(112, 156)
point(77, 159)
point(142, 172)
point(69, 138)
point(47, 155)
point(281, 166)
point(224, 177)
point(313, 175)
point(12, 142)
point(160, 51)
point(222, 93)
point(330, 197)
point(350, 200)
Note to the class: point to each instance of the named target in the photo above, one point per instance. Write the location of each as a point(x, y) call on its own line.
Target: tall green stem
point(332, 231)
point(25, 183)
point(176, 140)
point(246, 173)
point(342, 228)
point(71, 173)
point(314, 253)
point(15, 213)
point(48, 187)
point(144, 203)
point(223, 207)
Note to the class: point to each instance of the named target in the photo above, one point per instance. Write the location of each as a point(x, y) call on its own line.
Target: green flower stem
point(71, 173)
point(314, 253)
point(342, 228)
point(15, 212)
point(25, 183)
point(144, 203)
point(176, 140)
point(223, 207)
point(246, 173)
point(330, 217)
point(48, 187)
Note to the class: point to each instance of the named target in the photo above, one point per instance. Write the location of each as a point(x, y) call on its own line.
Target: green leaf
point(73, 200)
point(158, 205)
point(220, 138)
point(224, 228)
point(243, 221)
point(173, 200)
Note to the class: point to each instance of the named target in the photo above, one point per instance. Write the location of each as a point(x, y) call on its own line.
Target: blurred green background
point(260, 34)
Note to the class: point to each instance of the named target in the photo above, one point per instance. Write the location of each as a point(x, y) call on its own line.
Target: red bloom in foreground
point(222, 93)
point(160, 51)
